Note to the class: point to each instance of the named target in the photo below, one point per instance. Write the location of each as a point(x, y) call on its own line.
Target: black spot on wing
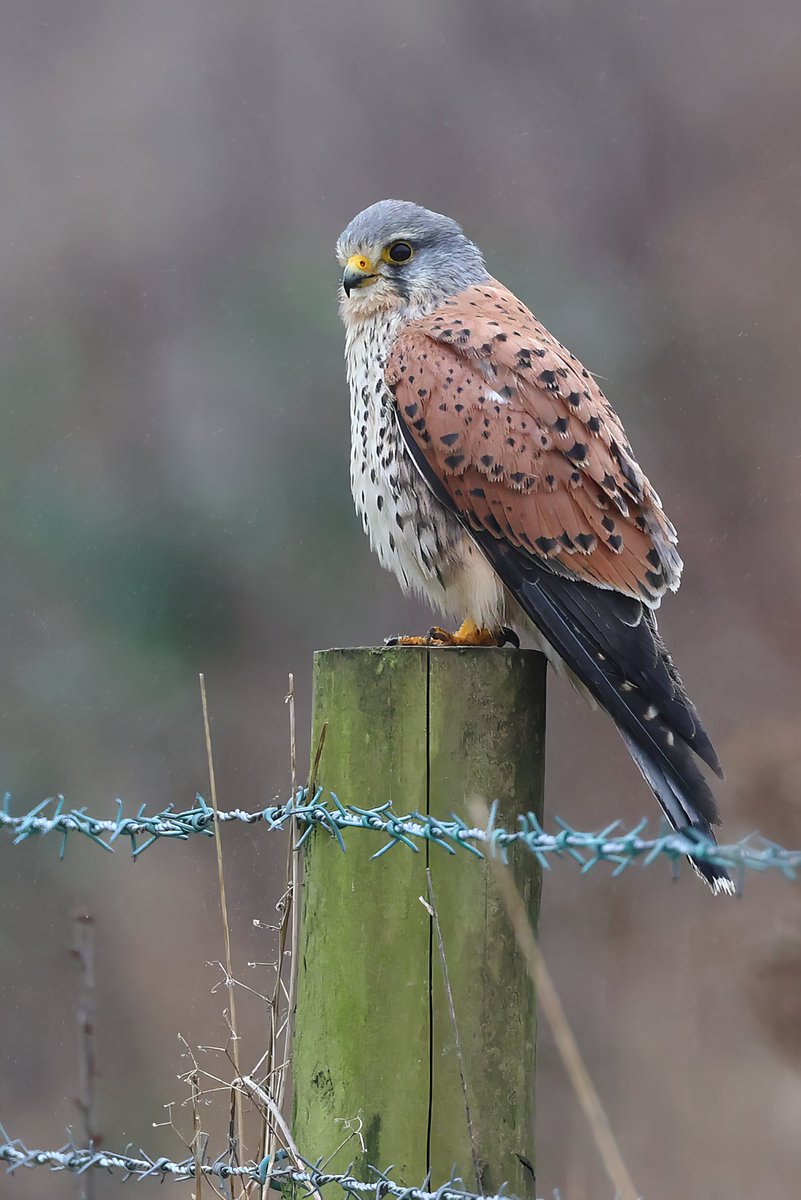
point(634, 673)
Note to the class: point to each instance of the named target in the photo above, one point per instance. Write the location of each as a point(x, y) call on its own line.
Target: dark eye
point(399, 252)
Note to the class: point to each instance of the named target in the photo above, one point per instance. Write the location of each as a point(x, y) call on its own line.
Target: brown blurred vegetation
point(173, 482)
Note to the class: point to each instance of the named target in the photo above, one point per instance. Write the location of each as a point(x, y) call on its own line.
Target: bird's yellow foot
point(468, 634)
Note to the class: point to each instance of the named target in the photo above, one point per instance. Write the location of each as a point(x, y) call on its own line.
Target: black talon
point(509, 637)
point(434, 637)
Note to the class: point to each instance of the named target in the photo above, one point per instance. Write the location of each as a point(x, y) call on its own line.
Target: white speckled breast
point(412, 533)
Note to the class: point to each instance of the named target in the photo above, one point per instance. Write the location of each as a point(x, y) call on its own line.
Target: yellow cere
point(357, 262)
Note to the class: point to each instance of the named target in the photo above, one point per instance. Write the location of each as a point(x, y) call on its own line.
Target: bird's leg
point(468, 634)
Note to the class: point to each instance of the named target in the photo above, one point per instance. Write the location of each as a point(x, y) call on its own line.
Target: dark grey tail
point(611, 643)
point(678, 807)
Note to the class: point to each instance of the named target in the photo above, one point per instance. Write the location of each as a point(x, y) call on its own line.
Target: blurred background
point(174, 494)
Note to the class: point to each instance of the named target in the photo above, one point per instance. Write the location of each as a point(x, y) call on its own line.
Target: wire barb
point(312, 809)
point(75, 1160)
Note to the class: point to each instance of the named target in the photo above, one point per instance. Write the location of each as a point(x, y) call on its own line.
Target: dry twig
point(84, 952)
point(564, 1037)
point(224, 910)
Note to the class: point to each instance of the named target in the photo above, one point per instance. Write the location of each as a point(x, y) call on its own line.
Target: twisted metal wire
point(615, 845)
point(73, 1159)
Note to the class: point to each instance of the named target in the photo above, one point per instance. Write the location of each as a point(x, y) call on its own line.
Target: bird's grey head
point(397, 255)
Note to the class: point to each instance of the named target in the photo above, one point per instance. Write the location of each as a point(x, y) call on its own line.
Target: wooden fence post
point(425, 729)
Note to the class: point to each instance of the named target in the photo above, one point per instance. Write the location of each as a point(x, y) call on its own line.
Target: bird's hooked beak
point(358, 273)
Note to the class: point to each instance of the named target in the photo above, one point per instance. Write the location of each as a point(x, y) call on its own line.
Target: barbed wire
point(613, 844)
point(77, 1161)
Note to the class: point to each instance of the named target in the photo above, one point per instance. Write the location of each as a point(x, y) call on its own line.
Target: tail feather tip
point(717, 879)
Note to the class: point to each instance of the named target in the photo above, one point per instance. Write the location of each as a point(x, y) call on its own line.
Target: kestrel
point(494, 478)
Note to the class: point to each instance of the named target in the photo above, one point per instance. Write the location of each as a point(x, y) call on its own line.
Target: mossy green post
point(426, 729)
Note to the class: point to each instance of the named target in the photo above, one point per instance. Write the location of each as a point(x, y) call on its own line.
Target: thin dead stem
point(280, 1029)
point(199, 1141)
point(354, 1125)
point(263, 1100)
point(266, 1084)
point(83, 952)
point(564, 1037)
point(196, 1134)
point(316, 764)
point(293, 746)
point(224, 910)
point(294, 882)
